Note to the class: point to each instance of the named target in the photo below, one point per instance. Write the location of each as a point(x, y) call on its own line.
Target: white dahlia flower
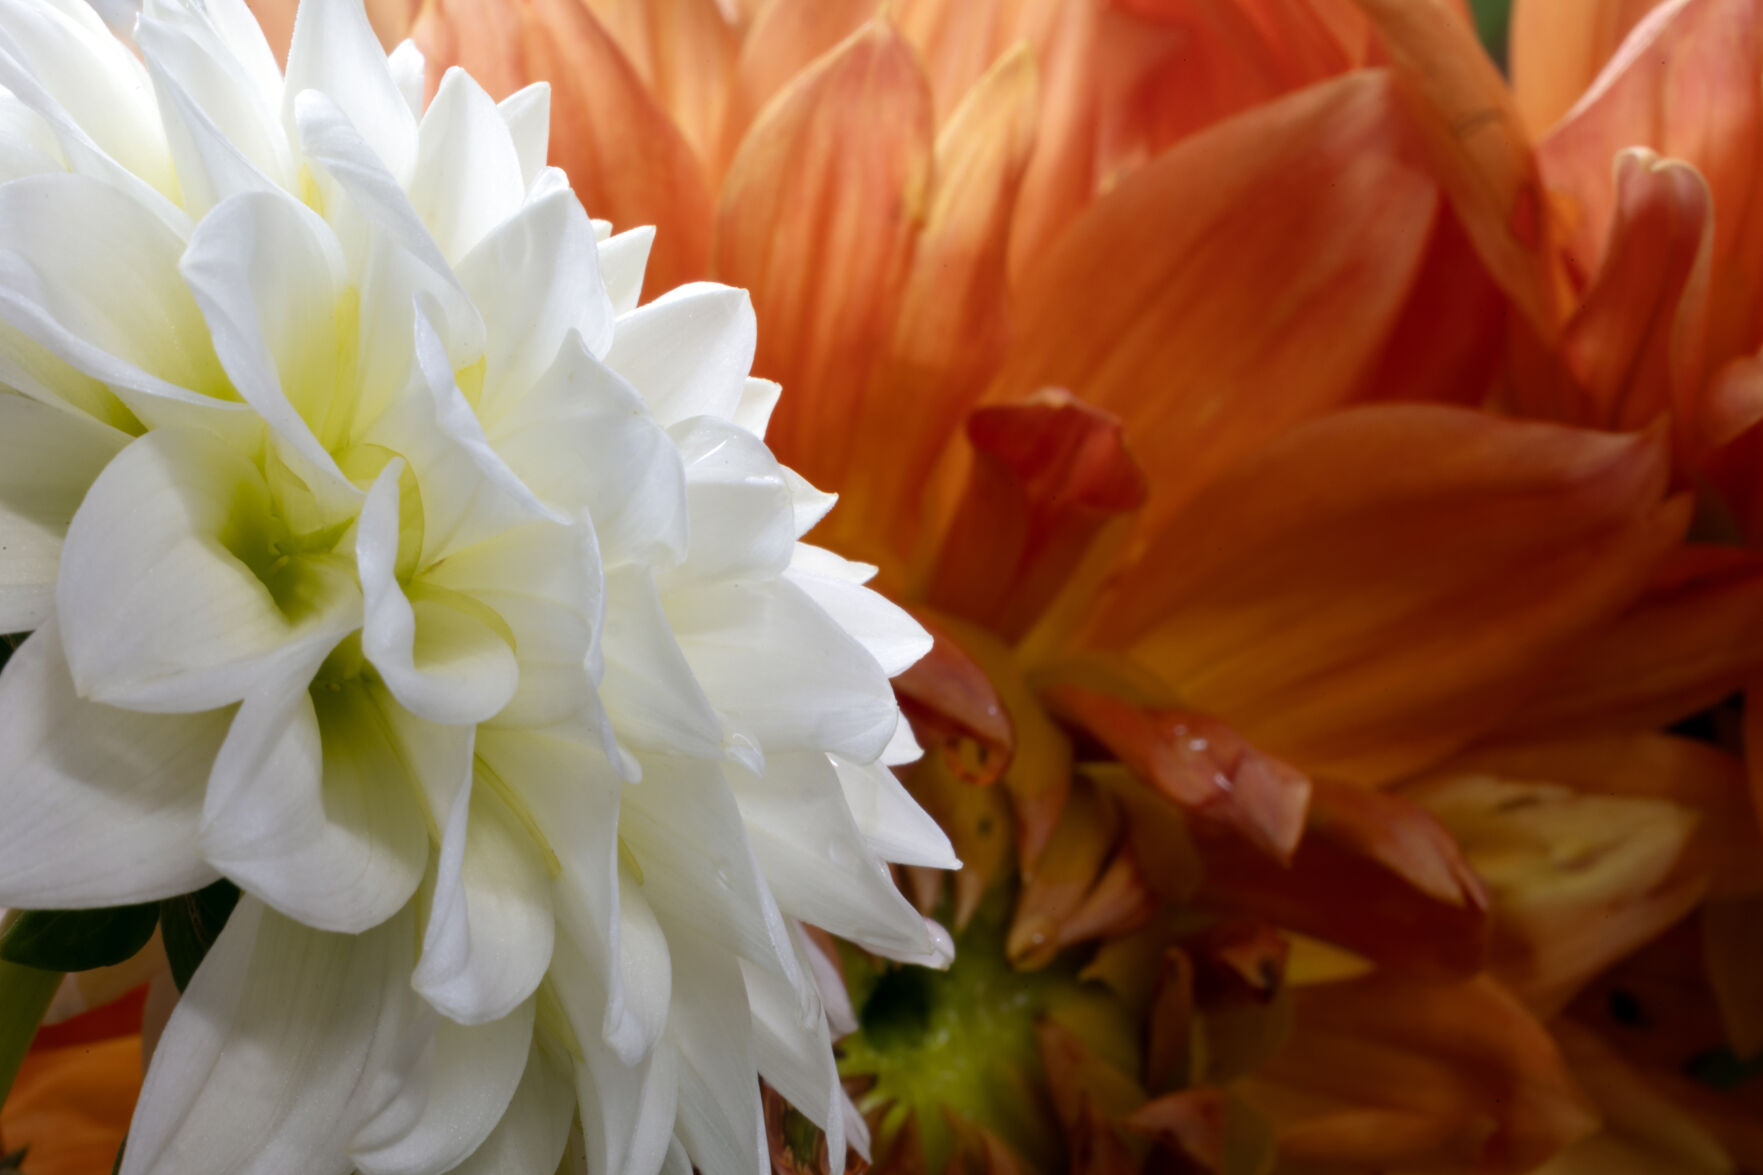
point(383, 556)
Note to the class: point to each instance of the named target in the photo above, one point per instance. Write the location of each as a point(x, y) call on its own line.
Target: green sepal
point(78, 940)
point(189, 925)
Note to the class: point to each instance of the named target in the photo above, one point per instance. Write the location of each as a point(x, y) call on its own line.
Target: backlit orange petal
point(1578, 880)
point(1480, 149)
point(1454, 1076)
point(1559, 46)
point(1199, 764)
point(1683, 84)
point(71, 1106)
point(1691, 641)
point(817, 219)
point(949, 335)
point(1728, 837)
point(684, 50)
point(625, 157)
point(1209, 309)
point(1375, 873)
point(1367, 593)
point(784, 39)
point(1047, 475)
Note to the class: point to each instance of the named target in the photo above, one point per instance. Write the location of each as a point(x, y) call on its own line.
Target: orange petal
point(783, 39)
point(1683, 84)
point(1209, 310)
point(276, 17)
point(1170, 1053)
point(977, 820)
point(1079, 850)
point(955, 709)
point(1480, 149)
point(1424, 562)
point(1375, 873)
point(1633, 349)
point(817, 219)
point(1578, 880)
point(625, 157)
point(1732, 950)
point(71, 1106)
point(949, 335)
point(1047, 475)
point(684, 50)
point(1210, 1130)
point(1451, 1074)
point(1691, 641)
point(1198, 764)
point(1559, 46)
point(1689, 773)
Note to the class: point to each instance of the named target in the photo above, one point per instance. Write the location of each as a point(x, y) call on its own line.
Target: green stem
point(25, 993)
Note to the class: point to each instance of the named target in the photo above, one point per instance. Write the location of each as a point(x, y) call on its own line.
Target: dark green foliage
point(78, 940)
point(190, 924)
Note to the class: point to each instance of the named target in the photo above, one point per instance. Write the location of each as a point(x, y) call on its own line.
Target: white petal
point(239, 31)
point(269, 275)
point(759, 399)
point(796, 1059)
point(890, 634)
point(892, 822)
point(49, 458)
point(139, 327)
point(440, 662)
point(739, 518)
point(781, 671)
point(335, 52)
point(467, 178)
point(627, 1112)
point(903, 748)
point(816, 862)
point(310, 806)
point(623, 260)
point(409, 72)
point(720, 1119)
point(27, 143)
point(93, 80)
point(474, 1072)
point(648, 688)
point(581, 439)
point(532, 1135)
point(159, 608)
point(841, 1019)
point(683, 832)
point(538, 276)
point(527, 113)
point(688, 352)
point(811, 505)
point(491, 926)
point(102, 806)
point(263, 1067)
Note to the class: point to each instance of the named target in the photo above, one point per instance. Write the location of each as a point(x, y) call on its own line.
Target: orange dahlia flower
point(1298, 717)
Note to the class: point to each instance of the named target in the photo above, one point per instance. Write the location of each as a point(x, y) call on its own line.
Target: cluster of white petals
point(382, 555)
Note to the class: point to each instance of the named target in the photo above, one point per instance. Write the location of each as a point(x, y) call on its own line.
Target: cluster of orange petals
point(1328, 470)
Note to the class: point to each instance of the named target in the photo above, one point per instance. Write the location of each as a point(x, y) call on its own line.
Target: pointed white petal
point(903, 748)
point(409, 72)
point(48, 460)
point(892, 822)
point(627, 1112)
point(759, 399)
point(158, 605)
point(335, 52)
point(102, 806)
point(623, 259)
point(538, 276)
point(739, 516)
point(811, 505)
point(474, 1072)
point(531, 1137)
point(781, 671)
point(649, 690)
point(796, 1059)
point(309, 806)
point(467, 178)
point(582, 440)
point(890, 634)
point(527, 114)
point(491, 925)
point(264, 1065)
point(440, 662)
point(815, 860)
point(841, 1019)
point(688, 352)
point(720, 1119)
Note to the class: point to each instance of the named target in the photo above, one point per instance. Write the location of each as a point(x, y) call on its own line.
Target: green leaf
point(190, 924)
point(78, 940)
point(1493, 19)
